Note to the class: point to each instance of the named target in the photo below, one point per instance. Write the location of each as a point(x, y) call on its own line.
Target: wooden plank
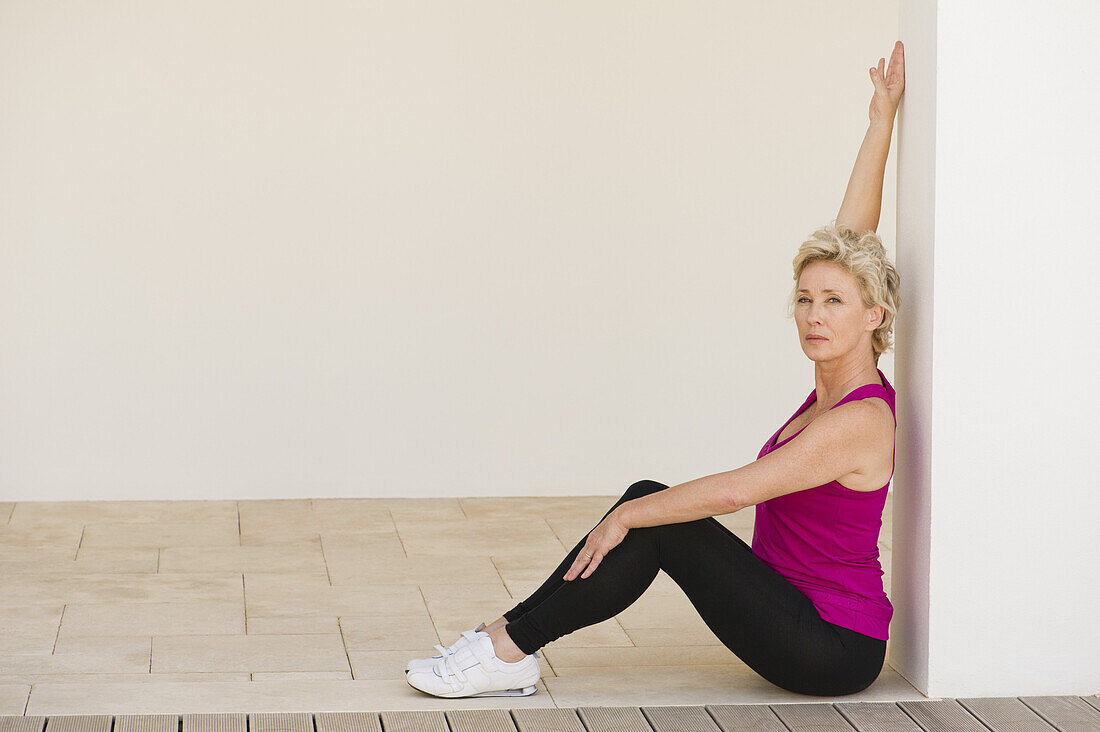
point(414, 722)
point(733, 717)
point(347, 722)
point(680, 719)
point(215, 723)
point(22, 724)
point(613, 719)
point(1002, 714)
point(877, 717)
point(547, 720)
point(147, 723)
point(1093, 701)
point(480, 720)
point(79, 723)
point(1067, 713)
point(942, 715)
point(820, 716)
point(287, 722)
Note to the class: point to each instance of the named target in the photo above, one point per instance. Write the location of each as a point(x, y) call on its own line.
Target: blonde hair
point(864, 257)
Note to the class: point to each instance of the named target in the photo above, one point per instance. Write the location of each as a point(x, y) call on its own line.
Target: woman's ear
point(876, 315)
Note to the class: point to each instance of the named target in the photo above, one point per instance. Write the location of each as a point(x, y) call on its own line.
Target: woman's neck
point(834, 380)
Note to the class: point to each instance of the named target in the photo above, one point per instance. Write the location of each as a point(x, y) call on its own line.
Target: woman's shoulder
point(873, 413)
point(877, 396)
point(875, 407)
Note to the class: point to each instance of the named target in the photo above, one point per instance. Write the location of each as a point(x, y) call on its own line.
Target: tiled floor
point(315, 605)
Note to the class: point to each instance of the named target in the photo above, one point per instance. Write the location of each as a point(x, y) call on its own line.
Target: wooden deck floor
point(1067, 713)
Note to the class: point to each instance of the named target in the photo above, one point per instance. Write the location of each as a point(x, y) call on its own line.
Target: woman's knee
point(643, 488)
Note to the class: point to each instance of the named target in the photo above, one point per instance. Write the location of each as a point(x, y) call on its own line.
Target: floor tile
point(388, 632)
point(480, 537)
point(295, 521)
point(661, 611)
point(460, 569)
point(607, 633)
point(458, 613)
point(350, 517)
point(383, 665)
point(346, 553)
point(306, 558)
point(81, 512)
point(22, 591)
point(444, 594)
point(430, 509)
point(13, 697)
point(293, 625)
point(65, 538)
point(570, 531)
point(686, 635)
point(92, 560)
point(302, 676)
point(210, 617)
point(272, 596)
point(15, 556)
point(29, 628)
point(520, 508)
point(522, 575)
point(563, 659)
point(107, 645)
point(44, 662)
point(251, 653)
point(742, 519)
point(161, 534)
point(93, 678)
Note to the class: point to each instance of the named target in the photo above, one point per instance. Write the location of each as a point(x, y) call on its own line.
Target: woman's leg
point(766, 621)
point(555, 580)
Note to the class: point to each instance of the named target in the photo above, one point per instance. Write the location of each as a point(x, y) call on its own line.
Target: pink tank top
point(824, 540)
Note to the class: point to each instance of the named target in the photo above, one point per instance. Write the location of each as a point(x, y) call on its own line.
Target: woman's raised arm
point(863, 198)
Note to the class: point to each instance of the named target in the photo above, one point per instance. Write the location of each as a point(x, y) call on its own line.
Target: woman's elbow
point(731, 500)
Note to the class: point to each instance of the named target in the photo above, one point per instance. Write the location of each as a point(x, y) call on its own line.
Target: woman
point(804, 606)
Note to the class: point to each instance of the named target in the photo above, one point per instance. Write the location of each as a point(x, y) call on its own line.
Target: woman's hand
point(888, 88)
point(602, 539)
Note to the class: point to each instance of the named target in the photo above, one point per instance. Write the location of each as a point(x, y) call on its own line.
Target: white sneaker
point(427, 663)
point(474, 670)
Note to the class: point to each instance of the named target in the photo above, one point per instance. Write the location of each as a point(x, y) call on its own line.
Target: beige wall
point(257, 250)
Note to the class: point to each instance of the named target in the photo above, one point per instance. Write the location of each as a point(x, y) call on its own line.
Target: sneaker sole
point(525, 691)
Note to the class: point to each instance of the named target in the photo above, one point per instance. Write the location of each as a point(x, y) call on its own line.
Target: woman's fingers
point(576, 567)
point(876, 79)
point(586, 563)
point(896, 73)
point(595, 562)
point(580, 562)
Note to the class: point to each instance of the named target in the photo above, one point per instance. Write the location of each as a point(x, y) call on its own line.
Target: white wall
point(915, 135)
point(1000, 479)
point(411, 248)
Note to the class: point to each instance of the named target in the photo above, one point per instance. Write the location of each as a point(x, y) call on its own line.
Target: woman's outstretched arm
point(863, 198)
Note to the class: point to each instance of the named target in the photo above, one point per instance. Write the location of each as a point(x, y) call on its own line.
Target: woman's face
point(828, 304)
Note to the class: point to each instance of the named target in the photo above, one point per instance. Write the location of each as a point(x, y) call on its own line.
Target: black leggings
point(756, 613)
